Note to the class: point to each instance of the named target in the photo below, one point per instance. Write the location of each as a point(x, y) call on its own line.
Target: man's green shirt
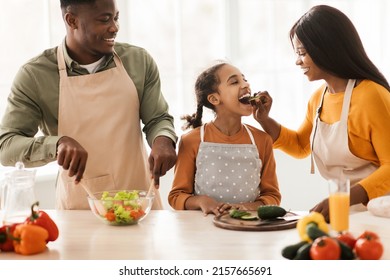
point(33, 104)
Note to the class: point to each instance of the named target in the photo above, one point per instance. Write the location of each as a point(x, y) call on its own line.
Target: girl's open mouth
point(248, 99)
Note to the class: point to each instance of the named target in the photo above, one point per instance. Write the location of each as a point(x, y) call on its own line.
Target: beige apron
point(330, 147)
point(104, 118)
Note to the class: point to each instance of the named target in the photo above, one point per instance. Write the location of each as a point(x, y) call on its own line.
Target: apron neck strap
point(347, 100)
point(250, 134)
point(202, 133)
point(61, 61)
point(247, 129)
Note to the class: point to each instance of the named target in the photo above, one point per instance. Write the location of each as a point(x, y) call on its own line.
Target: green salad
point(124, 207)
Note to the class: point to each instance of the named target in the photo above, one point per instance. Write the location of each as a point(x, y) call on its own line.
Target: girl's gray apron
point(228, 173)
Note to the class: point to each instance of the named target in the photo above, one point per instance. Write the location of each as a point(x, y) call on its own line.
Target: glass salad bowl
point(121, 207)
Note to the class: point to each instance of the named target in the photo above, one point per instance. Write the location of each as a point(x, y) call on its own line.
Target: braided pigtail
point(194, 120)
point(206, 84)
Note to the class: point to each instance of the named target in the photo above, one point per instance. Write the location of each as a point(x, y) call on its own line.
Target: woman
point(348, 118)
point(223, 163)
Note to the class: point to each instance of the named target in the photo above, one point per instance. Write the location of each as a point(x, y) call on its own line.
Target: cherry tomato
point(325, 248)
point(137, 214)
point(347, 238)
point(369, 247)
point(110, 216)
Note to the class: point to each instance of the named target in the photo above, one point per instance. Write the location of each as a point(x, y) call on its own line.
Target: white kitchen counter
point(176, 235)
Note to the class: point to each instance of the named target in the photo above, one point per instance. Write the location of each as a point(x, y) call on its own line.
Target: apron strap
point(61, 62)
point(318, 112)
point(202, 133)
point(347, 100)
point(250, 134)
point(247, 129)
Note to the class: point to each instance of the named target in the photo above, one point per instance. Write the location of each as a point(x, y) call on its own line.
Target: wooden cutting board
point(226, 222)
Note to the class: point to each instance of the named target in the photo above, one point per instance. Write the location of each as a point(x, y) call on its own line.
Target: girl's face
point(233, 85)
point(309, 68)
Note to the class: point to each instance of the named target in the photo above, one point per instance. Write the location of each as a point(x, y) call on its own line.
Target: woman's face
point(232, 87)
point(309, 68)
point(96, 30)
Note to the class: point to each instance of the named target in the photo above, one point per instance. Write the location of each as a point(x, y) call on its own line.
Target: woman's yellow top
point(368, 130)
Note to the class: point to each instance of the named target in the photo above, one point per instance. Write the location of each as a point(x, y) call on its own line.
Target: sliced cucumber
point(237, 214)
point(249, 217)
point(242, 215)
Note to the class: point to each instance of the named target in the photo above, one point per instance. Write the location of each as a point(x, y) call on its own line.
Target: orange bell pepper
point(29, 239)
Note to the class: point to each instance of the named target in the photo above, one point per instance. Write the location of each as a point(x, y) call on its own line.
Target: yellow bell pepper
point(314, 217)
point(29, 239)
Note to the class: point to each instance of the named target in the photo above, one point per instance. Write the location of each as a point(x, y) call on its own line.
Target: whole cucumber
point(303, 252)
point(266, 212)
point(290, 252)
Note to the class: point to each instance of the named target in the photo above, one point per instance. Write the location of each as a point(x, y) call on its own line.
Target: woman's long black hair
point(334, 45)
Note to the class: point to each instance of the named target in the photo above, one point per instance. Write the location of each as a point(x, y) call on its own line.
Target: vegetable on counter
point(266, 212)
point(313, 218)
point(291, 251)
point(42, 219)
point(368, 246)
point(242, 214)
point(29, 239)
point(347, 238)
point(325, 248)
point(318, 244)
point(6, 242)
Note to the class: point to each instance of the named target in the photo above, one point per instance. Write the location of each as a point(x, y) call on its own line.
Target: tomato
point(369, 247)
point(369, 235)
point(137, 214)
point(325, 248)
point(128, 208)
point(110, 216)
point(347, 238)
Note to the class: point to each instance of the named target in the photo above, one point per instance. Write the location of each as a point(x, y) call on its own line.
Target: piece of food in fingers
point(248, 99)
point(256, 97)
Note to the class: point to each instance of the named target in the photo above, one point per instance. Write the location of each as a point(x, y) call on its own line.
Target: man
point(88, 96)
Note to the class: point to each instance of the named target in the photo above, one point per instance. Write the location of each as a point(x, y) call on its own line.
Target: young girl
point(223, 163)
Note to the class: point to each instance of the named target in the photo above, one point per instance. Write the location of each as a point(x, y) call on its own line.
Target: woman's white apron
point(330, 148)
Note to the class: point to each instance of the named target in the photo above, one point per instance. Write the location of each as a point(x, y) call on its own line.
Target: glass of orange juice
point(339, 204)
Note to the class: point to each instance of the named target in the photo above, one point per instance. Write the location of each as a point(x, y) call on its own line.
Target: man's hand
point(162, 158)
point(72, 156)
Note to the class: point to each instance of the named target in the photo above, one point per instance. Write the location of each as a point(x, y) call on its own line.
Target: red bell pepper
point(42, 219)
point(6, 242)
